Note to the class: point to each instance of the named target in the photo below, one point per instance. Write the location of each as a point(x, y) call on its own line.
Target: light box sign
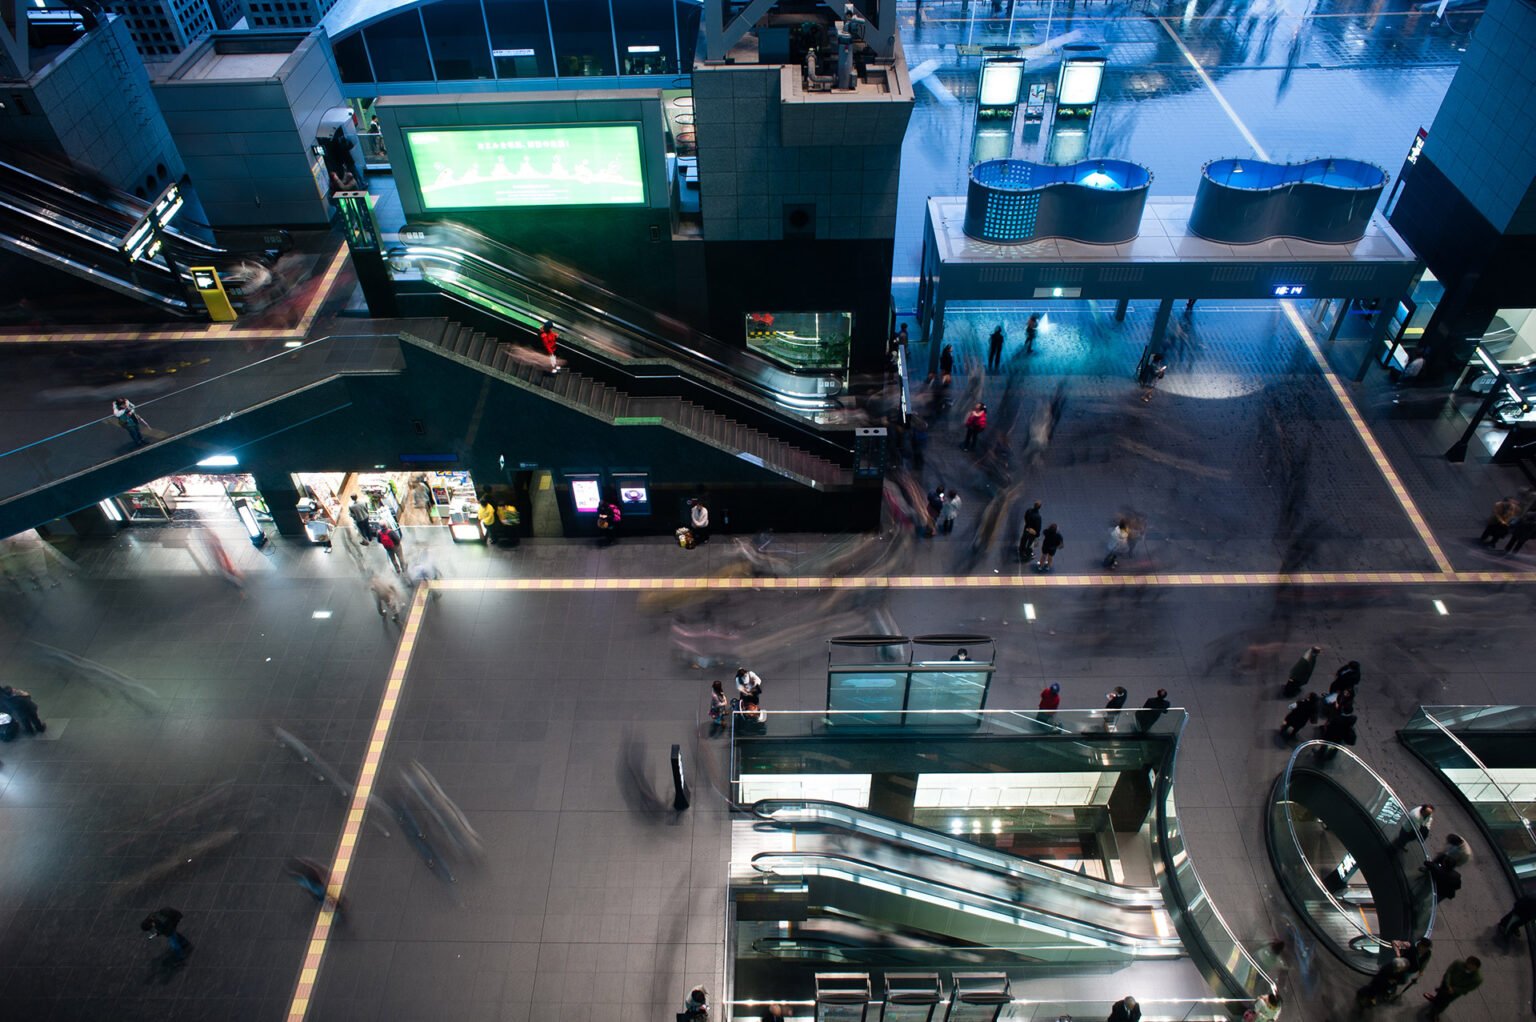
point(548, 165)
point(586, 494)
point(1079, 83)
point(1000, 81)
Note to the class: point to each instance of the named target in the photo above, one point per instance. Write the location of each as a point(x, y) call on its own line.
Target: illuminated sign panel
point(561, 165)
point(1000, 80)
point(1079, 83)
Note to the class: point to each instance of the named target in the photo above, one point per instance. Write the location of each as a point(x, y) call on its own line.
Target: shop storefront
point(187, 498)
point(411, 499)
point(1494, 393)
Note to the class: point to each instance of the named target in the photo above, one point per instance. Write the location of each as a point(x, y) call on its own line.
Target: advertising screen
point(560, 165)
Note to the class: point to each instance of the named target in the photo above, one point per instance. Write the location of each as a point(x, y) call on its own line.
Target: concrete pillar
point(1378, 335)
point(1338, 321)
point(277, 489)
point(1160, 326)
point(1121, 307)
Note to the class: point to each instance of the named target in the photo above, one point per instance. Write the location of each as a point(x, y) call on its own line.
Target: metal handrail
point(1345, 913)
point(1530, 829)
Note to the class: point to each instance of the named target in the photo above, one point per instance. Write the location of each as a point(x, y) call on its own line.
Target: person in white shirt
point(748, 684)
point(698, 520)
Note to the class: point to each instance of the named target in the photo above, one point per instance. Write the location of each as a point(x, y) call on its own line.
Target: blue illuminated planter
point(1097, 201)
point(1244, 201)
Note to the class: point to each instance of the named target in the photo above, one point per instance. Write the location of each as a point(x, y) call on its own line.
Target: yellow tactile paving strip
point(1350, 411)
point(1030, 581)
point(1394, 482)
point(367, 776)
point(207, 331)
point(389, 703)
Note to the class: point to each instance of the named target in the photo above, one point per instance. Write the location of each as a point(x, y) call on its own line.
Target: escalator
point(980, 907)
point(622, 343)
point(59, 218)
point(814, 823)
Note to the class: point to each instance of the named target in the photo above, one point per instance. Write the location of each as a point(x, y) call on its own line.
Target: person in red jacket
point(975, 422)
point(549, 338)
point(1050, 698)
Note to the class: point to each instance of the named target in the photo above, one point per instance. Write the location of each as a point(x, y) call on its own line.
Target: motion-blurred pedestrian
point(946, 363)
point(975, 424)
point(995, 348)
point(949, 512)
point(1266, 1008)
point(1521, 914)
point(314, 879)
point(386, 596)
point(1030, 328)
point(1151, 372)
point(1456, 851)
point(1464, 976)
point(1521, 531)
point(18, 703)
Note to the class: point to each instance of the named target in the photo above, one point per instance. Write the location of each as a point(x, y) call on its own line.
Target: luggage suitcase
point(9, 729)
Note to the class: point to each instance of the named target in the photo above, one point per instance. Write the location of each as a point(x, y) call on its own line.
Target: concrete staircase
point(611, 405)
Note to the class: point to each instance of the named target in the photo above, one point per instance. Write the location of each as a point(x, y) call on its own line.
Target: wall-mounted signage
point(1289, 290)
point(543, 165)
point(586, 493)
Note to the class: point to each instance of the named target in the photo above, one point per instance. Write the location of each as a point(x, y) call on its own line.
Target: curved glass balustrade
point(1487, 757)
point(1323, 781)
point(1245, 201)
point(1096, 201)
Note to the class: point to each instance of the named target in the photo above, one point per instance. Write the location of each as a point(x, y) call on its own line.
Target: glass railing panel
point(1201, 914)
point(1346, 927)
point(1049, 723)
point(66, 453)
point(791, 812)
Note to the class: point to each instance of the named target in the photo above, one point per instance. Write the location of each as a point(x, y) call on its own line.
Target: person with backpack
point(975, 423)
point(1031, 532)
point(389, 539)
point(608, 516)
point(1346, 677)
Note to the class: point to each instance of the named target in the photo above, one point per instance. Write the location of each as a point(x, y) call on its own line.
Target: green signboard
point(563, 165)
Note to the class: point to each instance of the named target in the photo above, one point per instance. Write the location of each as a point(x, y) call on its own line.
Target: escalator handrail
point(898, 832)
point(732, 390)
point(608, 300)
point(964, 900)
point(801, 432)
point(669, 351)
point(602, 309)
point(170, 302)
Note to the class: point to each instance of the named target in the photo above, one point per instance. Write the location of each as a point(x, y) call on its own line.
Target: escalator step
point(498, 360)
point(450, 331)
point(477, 346)
point(584, 392)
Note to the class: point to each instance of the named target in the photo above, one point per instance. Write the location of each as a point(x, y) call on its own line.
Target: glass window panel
point(352, 59)
point(688, 14)
point(456, 33)
point(875, 693)
point(646, 37)
point(519, 38)
point(947, 690)
point(399, 52)
point(583, 37)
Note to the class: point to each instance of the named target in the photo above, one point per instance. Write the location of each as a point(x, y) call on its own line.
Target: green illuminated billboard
point(562, 165)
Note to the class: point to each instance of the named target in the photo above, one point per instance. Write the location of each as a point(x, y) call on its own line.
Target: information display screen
point(559, 165)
